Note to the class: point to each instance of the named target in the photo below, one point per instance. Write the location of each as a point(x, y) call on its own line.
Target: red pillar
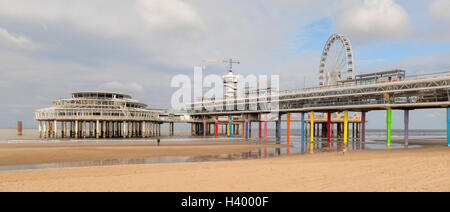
point(329, 128)
point(260, 130)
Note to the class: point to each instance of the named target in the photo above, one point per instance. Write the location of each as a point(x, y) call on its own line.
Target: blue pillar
point(246, 127)
point(303, 127)
point(448, 126)
point(230, 128)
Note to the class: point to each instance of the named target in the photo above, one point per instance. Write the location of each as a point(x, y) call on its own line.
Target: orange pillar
point(265, 127)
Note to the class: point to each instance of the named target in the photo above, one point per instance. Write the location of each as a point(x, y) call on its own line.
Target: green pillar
point(388, 127)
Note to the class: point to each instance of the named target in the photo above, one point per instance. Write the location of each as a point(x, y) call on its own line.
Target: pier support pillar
point(216, 126)
point(143, 129)
point(312, 126)
point(363, 126)
point(288, 130)
point(40, 129)
point(55, 129)
point(44, 133)
point(76, 129)
point(388, 126)
point(345, 126)
point(84, 129)
point(104, 129)
point(97, 129)
point(265, 127)
point(63, 129)
point(204, 126)
point(124, 131)
point(247, 130)
point(230, 128)
point(406, 120)
point(329, 128)
point(448, 126)
point(303, 127)
point(250, 130)
point(243, 129)
point(259, 128)
point(91, 132)
point(279, 128)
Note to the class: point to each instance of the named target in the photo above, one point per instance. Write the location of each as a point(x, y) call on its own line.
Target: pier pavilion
point(98, 115)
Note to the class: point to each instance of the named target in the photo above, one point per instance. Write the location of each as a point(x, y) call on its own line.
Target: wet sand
point(24, 154)
point(417, 169)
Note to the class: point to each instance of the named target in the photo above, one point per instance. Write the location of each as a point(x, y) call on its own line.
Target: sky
point(50, 48)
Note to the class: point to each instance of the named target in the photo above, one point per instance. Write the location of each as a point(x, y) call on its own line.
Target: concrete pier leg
point(173, 129)
point(124, 130)
point(129, 130)
point(104, 129)
point(250, 130)
point(204, 126)
point(329, 128)
point(406, 120)
point(216, 126)
point(40, 129)
point(345, 126)
point(363, 126)
point(90, 129)
point(63, 129)
point(144, 134)
point(312, 126)
point(76, 129)
point(55, 130)
point(44, 126)
point(97, 129)
point(49, 131)
point(302, 127)
point(159, 129)
point(111, 129)
point(71, 129)
point(84, 129)
point(388, 126)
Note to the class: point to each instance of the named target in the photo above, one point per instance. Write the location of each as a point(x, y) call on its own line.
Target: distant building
point(98, 114)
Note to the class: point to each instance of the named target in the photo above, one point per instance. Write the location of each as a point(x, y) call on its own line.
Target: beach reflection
point(295, 148)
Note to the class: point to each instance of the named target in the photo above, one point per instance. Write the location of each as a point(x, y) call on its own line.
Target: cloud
point(168, 14)
point(120, 87)
point(373, 20)
point(439, 10)
point(10, 40)
point(423, 64)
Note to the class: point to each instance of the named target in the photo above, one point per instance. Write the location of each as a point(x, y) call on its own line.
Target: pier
point(113, 115)
point(98, 115)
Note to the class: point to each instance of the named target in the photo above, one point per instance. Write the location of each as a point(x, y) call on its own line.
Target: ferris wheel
point(336, 63)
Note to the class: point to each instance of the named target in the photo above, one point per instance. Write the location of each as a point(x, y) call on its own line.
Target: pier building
point(98, 114)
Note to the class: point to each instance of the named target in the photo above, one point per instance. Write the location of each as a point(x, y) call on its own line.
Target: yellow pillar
point(312, 126)
point(345, 126)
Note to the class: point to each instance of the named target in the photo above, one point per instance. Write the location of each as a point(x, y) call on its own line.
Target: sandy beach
point(22, 154)
point(414, 169)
